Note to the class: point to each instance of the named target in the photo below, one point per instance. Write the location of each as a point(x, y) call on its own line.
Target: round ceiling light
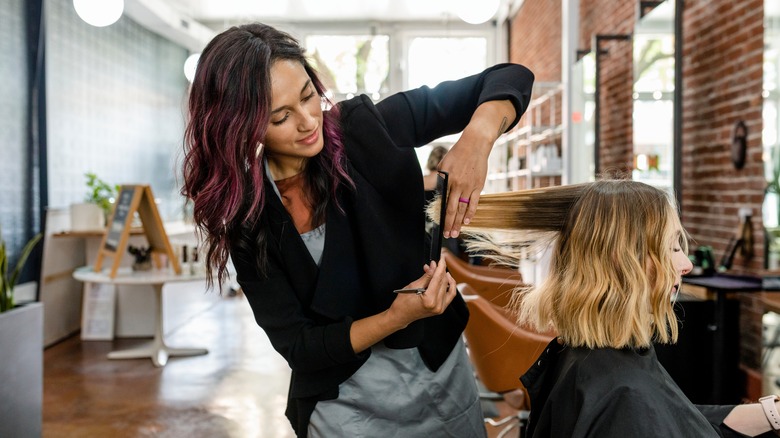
point(99, 13)
point(477, 12)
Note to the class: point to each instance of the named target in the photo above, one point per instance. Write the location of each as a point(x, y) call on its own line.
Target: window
point(433, 60)
point(351, 64)
point(359, 60)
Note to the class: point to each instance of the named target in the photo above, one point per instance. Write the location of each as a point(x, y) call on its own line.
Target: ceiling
point(215, 11)
point(193, 23)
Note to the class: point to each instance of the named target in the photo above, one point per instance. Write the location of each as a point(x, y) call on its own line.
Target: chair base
point(521, 423)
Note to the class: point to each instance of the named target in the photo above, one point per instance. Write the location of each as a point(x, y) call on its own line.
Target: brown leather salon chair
point(500, 352)
point(488, 271)
point(494, 283)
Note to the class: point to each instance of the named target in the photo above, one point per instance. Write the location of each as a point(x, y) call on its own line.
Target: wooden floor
point(237, 390)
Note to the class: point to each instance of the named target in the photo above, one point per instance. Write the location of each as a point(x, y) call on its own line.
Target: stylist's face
point(295, 129)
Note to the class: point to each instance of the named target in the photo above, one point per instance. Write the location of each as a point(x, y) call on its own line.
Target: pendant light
point(99, 13)
point(477, 11)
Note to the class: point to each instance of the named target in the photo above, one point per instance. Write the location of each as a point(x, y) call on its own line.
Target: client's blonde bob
point(611, 273)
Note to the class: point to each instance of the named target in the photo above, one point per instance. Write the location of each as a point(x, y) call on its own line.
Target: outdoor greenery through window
point(356, 64)
point(351, 64)
point(654, 97)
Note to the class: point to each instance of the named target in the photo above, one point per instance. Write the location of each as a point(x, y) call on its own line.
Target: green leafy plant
point(773, 184)
point(100, 192)
point(8, 278)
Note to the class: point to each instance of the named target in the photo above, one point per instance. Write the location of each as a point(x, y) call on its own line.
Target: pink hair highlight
point(229, 108)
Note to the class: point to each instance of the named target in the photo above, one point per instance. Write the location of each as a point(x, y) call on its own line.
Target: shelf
point(543, 135)
point(538, 127)
point(514, 134)
point(554, 89)
point(497, 176)
point(546, 173)
point(526, 135)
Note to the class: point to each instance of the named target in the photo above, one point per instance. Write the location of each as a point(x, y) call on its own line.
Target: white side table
point(157, 350)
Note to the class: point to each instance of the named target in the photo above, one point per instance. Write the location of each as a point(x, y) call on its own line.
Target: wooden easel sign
point(132, 199)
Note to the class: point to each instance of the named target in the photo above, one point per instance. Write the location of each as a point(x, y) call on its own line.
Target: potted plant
point(21, 363)
point(92, 213)
point(100, 193)
point(142, 257)
point(8, 278)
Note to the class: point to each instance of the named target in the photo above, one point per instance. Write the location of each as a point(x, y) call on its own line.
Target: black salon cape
point(604, 393)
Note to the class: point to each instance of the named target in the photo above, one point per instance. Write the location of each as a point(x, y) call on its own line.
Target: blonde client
point(618, 252)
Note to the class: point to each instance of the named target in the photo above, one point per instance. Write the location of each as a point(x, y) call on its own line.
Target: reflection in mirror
point(583, 88)
point(654, 97)
point(769, 136)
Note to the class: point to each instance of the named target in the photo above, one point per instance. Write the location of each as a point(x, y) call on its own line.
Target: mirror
point(653, 94)
point(582, 123)
point(769, 137)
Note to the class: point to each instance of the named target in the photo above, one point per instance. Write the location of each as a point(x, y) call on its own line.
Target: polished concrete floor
point(237, 390)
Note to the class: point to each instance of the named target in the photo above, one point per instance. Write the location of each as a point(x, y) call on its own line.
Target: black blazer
point(376, 244)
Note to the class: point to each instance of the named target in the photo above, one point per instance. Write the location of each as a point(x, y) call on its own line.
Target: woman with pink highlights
point(322, 213)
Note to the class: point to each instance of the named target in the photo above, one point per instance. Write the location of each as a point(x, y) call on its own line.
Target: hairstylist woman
point(322, 213)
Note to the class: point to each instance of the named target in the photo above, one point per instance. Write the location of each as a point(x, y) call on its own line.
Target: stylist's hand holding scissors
point(427, 296)
point(433, 293)
point(466, 162)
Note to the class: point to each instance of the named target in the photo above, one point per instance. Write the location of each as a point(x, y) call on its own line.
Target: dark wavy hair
point(229, 113)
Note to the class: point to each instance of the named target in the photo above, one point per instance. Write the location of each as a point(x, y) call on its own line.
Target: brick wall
point(722, 80)
point(610, 17)
point(722, 83)
point(722, 68)
point(535, 39)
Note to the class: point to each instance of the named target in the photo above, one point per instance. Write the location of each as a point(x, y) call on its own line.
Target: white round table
point(157, 349)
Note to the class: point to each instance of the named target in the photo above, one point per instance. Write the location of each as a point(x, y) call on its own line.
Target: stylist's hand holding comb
point(466, 162)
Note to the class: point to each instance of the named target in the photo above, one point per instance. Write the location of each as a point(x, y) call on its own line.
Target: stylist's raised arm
point(466, 162)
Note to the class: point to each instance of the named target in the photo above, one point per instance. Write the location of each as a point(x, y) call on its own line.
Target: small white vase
point(87, 217)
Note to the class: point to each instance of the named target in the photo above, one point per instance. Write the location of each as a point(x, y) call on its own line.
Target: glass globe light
point(99, 13)
point(477, 11)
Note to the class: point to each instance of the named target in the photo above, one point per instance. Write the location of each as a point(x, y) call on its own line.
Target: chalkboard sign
point(120, 218)
point(135, 199)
